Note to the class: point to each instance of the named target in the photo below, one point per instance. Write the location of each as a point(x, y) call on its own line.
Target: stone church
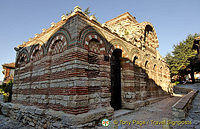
point(80, 71)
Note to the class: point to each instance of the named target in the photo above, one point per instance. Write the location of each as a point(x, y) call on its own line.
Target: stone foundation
point(48, 118)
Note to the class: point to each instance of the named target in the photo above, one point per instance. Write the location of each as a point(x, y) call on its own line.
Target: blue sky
point(21, 19)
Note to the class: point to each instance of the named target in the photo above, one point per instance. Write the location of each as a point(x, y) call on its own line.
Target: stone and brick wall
point(62, 76)
point(71, 71)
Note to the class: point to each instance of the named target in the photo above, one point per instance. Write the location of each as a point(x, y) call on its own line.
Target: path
point(194, 113)
point(158, 112)
point(146, 117)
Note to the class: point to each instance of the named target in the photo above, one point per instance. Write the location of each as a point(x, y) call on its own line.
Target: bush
point(177, 82)
point(6, 90)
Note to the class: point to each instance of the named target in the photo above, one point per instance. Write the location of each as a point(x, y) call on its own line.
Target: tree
point(179, 58)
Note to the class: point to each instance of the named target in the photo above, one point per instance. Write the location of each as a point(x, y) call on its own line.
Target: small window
point(35, 52)
point(134, 59)
point(146, 64)
point(22, 59)
point(154, 67)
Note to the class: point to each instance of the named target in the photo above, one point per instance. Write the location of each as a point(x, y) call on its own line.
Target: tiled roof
point(197, 38)
point(11, 65)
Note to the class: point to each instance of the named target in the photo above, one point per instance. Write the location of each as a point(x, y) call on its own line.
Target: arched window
point(36, 53)
point(146, 64)
point(134, 60)
point(93, 51)
point(154, 67)
point(58, 44)
point(161, 72)
point(147, 31)
point(22, 59)
point(57, 47)
point(160, 69)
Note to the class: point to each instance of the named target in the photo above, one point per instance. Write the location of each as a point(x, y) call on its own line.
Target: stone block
point(39, 111)
point(128, 96)
point(6, 109)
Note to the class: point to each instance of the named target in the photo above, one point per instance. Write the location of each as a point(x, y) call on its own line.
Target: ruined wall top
point(139, 34)
point(125, 26)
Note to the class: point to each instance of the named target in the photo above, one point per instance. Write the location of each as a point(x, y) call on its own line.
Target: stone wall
point(48, 118)
point(137, 87)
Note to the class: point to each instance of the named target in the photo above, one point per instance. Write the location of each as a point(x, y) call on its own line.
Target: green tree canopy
point(178, 59)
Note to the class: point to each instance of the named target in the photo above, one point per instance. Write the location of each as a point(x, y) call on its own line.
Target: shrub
point(6, 90)
point(177, 82)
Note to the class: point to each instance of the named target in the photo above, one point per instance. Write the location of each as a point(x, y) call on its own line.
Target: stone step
point(180, 108)
point(121, 112)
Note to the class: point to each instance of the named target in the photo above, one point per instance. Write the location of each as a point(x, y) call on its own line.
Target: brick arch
point(155, 67)
point(146, 64)
point(112, 48)
point(145, 25)
point(119, 45)
point(90, 29)
point(23, 57)
point(58, 42)
point(135, 52)
point(37, 52)
point(161, 71)
point(89, 33)
point(134, 60)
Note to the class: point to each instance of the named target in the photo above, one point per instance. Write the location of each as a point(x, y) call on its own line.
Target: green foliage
point(3, 92)
point(86, 11)
point(176, 83)
point(6, 90)
point(178, 58)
